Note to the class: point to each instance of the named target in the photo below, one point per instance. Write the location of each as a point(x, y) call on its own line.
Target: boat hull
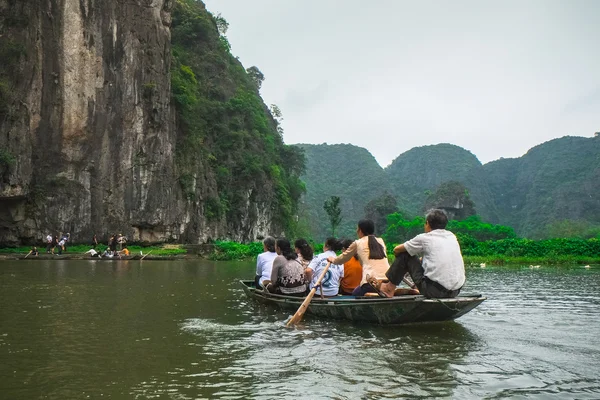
point(383, 311)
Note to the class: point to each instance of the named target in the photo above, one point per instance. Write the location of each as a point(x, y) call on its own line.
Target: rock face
point(88, 131)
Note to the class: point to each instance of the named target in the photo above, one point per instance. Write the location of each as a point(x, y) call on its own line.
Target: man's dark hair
point(437, 219)
point(269, 243)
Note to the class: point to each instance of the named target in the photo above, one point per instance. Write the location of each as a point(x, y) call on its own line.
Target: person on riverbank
point(49, 240)
point(93, 253)
point(61, 245)
point(352, 271)
point(94, 242)
point(330, 285)
point(304, 251)
point(441, 273)
point(287, 274)
point(264, 261)
point(371, 253)
point(64, 239)
point(112, 243)
point(34, 251)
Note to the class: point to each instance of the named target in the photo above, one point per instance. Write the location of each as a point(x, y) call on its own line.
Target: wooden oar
point(28, 254)
point(145, 255)
point(302, 309)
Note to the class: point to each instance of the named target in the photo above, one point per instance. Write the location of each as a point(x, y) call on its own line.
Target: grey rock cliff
point(90, 128)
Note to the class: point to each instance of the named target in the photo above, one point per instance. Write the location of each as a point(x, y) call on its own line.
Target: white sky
point(495, 77)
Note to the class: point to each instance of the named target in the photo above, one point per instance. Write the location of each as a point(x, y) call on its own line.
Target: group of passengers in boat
point(432, 260)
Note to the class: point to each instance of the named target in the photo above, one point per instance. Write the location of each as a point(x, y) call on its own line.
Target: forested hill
point(343, 170)
point(555, 184)
point(421, 170)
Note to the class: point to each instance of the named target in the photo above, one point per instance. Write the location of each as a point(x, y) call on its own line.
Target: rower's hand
point(330, 259)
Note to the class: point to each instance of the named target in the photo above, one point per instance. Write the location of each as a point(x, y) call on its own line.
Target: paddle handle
point(302, 309)
point(144, 256)
point(28, 254)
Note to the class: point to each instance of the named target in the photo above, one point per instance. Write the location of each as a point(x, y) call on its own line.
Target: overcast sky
point(495, 77)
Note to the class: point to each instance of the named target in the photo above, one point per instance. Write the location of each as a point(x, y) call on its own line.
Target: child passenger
point(330, 284)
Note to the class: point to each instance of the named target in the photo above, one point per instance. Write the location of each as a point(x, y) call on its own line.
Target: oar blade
point(302, 309)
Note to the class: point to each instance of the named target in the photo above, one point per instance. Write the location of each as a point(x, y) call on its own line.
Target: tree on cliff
point(452, 197)
point(333, 210)
point(256, 76)
point(379, 208)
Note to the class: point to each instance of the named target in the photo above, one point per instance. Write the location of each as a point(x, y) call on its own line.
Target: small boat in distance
point(384, 311)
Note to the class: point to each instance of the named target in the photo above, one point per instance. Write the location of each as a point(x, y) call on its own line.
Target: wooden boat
point(383, 311)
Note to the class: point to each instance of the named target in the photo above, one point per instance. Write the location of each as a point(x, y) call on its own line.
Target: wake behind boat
point(384, 311)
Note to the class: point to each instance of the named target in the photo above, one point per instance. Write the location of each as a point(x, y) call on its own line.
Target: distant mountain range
point(554, 181)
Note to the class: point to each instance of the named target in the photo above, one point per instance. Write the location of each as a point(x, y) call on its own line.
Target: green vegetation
point(342, 170)
point(484, 242)
point(230, 149)
point(454, 198)
point(378, 209)
point(549, 192)
point(332, 208)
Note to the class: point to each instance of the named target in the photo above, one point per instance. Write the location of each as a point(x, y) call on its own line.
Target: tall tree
point(379, 208)
point(333, 210)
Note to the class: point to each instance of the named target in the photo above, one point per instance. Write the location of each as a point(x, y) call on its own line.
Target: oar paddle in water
point(28, 254)
point(298, 316)
point(145, 255)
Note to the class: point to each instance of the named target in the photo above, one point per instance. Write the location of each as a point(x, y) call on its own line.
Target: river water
point(184, 330)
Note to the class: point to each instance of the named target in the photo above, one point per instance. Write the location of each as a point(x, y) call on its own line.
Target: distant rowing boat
point(383, 311)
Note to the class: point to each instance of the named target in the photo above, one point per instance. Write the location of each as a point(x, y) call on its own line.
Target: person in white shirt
point(441, 273)
point(49, 241)
point(264, 262)
point(93, 253)
point(330, 285)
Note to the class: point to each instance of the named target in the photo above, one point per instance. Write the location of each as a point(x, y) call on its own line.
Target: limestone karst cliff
point(92, 140)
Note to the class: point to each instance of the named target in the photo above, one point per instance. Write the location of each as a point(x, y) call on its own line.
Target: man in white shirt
point(441, 273)
point(264, 262)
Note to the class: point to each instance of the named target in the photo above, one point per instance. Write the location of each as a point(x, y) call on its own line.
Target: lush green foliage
point(479, 230)
point(225, 250)
point(229, 141)
point(472, 229)
point(480, 239)
point(333, 210)
point(454, 198)
point(379, 208)
point(555, 181)
point(342, 170)
point(517, 247)
point(236, 251)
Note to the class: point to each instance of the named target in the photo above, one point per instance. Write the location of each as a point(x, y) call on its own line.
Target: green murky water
point(184, 330)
